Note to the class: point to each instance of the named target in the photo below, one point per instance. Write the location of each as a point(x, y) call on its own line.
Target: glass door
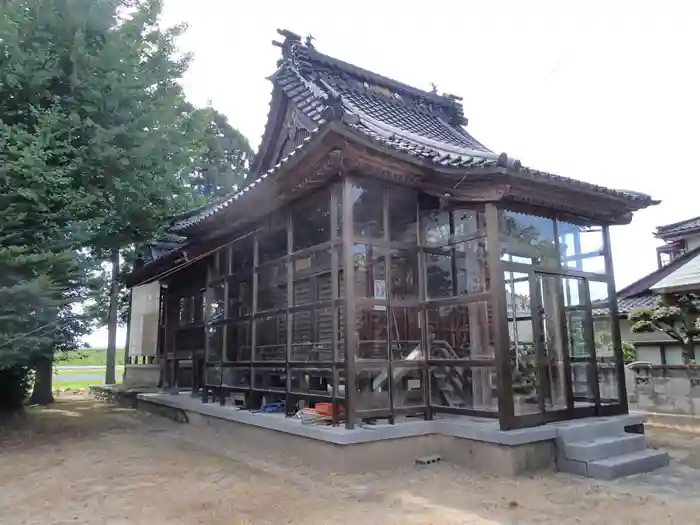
point(563, 341)
point(550, 338)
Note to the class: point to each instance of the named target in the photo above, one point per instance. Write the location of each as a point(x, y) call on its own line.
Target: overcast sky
point(603, 91)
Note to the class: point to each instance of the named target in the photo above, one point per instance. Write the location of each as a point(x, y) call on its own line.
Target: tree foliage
point(678, 316)
point(98, 147)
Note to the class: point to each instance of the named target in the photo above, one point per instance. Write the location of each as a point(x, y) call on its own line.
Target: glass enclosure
point(389, 303)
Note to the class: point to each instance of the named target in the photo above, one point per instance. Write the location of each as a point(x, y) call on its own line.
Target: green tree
point(224, 159)
point(678, 316)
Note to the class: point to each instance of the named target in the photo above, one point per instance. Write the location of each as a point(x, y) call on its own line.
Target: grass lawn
point(82, 371)
point(81, 383)
point(91, 356)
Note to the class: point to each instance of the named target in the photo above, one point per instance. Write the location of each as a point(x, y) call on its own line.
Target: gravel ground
point(82, 462)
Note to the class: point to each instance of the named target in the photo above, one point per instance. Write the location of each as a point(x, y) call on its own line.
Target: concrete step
point(603, 447)
point(627, 464)
point(587, 429)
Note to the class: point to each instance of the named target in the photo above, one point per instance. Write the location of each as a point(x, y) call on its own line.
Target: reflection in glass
point(312, 335)
point(404, 274)
point(552, 338)
point(403, 223)
point(372, 388)
point(213, 376)
point(408, 386)
point(372, 333)
point(405, 333)
point(583, 376)
point(370, 271)
point(216, 302)
point(368, 209)
point(273, 379)
point(238, 342)
point(311, 221)
point(456, 270)
point(581, 247)
point(270, 338)
point(461, 387)
point(459, 332)
point(272, 245)
point(236, 377)
point(528, 239)
point(315, 381)
point(215, 342)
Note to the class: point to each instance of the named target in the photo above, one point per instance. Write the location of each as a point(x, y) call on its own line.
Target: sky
point(604, 91)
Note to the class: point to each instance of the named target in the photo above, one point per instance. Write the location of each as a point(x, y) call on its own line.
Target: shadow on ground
point(66, 419)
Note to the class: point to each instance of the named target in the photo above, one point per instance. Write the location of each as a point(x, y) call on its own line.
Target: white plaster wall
point(143, 336)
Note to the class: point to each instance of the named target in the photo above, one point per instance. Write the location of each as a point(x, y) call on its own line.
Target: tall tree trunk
point(112, 319)
point(688, 350)
point(128, 337)
point(42, 393)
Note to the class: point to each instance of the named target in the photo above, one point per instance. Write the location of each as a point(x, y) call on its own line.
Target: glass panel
point(242, 255)
point(213, 376)
point(459, 332)
point(408, 384)
point(236, 377)
point(274, 379)
point(406, 334)
point(467, 222)
point(472, 272)
point(271, 338)
point(436, 227)
point(197, 316)
point(241, 298)
point(238, 342)
point(581, 247)
point(312, 335)
point(457, 270)
point(368, 209)
point(440, 280)
point(218, 263)
point(528, 239)
point(272, 245)
point(272, 287)
point(311, 221)
point(606, 360)
point(315, 381)
point(372, 333)
point(522, 349)
point(216, 302)
point(340, 388)
point(404, 274)
point(461, 387)
point(372, 387)
point(583, 376)
point(552, 338)
point(215, 342)
point(403, 224)
point(370, 271)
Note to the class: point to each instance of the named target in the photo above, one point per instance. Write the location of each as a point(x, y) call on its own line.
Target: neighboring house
point(678, 271)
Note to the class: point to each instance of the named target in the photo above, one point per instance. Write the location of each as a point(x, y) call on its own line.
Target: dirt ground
point(82, 462)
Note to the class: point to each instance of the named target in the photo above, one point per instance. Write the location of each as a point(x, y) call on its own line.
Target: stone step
point(587, 429)
point(604, 447)
point(627, 464)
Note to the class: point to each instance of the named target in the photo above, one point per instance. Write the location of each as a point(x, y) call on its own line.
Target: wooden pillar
point(506, 412)
point(350, 324)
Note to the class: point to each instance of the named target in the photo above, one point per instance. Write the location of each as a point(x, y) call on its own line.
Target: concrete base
point(140, 376)
point(475, 443)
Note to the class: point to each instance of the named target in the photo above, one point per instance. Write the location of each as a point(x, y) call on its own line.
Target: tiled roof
point(678, 228)
point(418, 123)
point(625, 306)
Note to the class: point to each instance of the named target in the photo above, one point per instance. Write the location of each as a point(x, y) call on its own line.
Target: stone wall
point(669, 389)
